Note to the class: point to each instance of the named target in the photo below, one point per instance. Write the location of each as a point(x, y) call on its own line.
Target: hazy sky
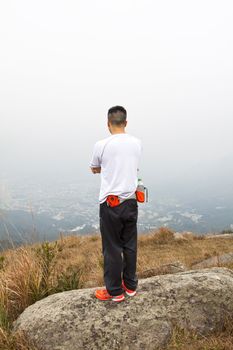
point(64, 63)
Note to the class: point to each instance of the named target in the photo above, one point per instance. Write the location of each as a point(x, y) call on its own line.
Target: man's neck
point(118, 131)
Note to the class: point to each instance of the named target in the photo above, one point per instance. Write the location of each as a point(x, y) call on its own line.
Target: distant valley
point(35, 212)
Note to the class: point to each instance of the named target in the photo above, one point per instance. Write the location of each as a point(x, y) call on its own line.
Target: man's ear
point(125, 123)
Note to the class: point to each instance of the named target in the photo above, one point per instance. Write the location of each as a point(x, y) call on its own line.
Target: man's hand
point(96, 170)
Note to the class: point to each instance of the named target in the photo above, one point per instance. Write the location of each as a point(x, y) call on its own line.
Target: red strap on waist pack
point(113, 200)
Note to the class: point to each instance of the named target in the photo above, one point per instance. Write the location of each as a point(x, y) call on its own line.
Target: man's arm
point(95, 163)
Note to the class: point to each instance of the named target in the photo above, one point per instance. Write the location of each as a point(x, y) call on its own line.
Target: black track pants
point(118, 227)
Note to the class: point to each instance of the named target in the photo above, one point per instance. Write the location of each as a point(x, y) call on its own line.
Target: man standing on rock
point(116, 158)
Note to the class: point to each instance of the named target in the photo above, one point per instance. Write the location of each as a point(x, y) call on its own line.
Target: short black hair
point(117, 115)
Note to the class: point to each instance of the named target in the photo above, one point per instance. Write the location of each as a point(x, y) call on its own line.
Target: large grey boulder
point(195, 300)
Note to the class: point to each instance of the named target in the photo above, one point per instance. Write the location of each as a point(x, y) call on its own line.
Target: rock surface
point(214, 261)
point(222, 235)
point(195, 300)
point(164, 269)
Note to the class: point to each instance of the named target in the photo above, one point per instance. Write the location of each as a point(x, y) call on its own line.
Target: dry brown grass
point(30, 273)
point(17, 341)
point(188, 250)
point(184, 340)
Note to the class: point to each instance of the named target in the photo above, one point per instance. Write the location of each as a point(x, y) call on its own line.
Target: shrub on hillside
point(2, 261)
point(70, 279)
point(163, 235)
point(47, 253)
point(226, 231)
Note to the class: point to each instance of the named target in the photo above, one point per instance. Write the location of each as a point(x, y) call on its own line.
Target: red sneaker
point(102, 294)
point(129, 292)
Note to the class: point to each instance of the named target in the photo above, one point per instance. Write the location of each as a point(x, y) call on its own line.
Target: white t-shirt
point(118, 156)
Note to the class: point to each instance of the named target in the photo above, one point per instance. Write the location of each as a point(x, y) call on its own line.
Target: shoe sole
point(118, 300)
point(131, 294)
